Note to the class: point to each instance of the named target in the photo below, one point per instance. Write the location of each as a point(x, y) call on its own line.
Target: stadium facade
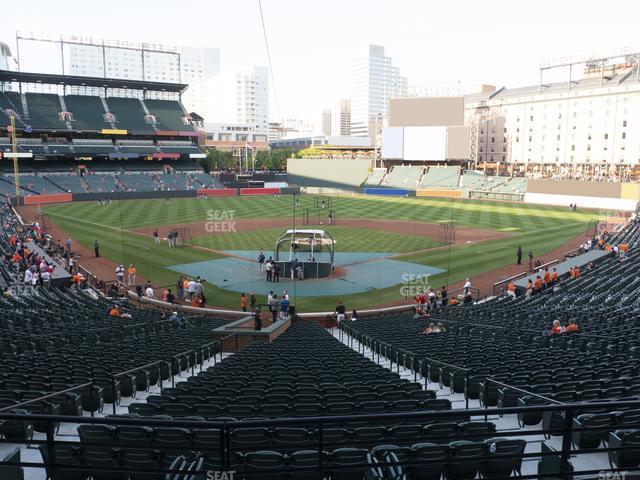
point(555, 128)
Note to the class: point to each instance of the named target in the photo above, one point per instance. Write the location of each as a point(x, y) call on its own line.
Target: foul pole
point(16, 177)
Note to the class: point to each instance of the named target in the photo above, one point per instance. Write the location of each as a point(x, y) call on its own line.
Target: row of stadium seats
point(43, 111)
point(97, 147)
point(141, 182)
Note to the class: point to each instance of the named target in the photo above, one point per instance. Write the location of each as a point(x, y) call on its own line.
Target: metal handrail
point(508, 279)
point(525, 392)
point(44, 397)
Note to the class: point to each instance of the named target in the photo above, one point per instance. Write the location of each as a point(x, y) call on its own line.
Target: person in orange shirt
point(547, 278)
point(537, 285)
point(572, 327)
point(114, 312)
point(15, 258)
point(554, 276)
point(195, 301)
point(243, 302)
point(76, 279)
point(556, 328)
point(576, 272)
point(511, 289)
point(13, 240)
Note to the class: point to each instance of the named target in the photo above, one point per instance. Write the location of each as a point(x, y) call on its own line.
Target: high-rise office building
point(240, 97)
point(374, 80)
point(344, 117)
point(327, 127)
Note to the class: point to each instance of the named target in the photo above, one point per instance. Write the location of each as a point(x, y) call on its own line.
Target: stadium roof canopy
point(100, 82)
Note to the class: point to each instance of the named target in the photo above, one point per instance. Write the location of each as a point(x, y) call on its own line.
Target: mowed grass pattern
point(347, 240)
point(537, 228)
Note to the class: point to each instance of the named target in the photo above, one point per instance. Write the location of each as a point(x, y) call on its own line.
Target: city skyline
point(311, 68)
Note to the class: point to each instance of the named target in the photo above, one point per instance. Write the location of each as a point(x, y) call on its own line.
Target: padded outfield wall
point(604, 195)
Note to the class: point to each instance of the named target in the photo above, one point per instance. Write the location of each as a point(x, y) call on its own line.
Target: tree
point(274, 160)
point(216, 160)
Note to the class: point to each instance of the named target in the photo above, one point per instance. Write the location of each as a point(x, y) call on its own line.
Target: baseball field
point(384, 246)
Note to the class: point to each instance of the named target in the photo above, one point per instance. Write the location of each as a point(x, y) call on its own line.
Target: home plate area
point(358, 272)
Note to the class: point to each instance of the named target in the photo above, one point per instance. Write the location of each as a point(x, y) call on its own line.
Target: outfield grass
point(537, 228)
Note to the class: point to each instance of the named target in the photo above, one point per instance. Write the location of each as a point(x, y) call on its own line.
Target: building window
point(624, 123)
point(624, 135)
point(573, 148)
point(606, 136)
point(531, 118)
point(588, 148)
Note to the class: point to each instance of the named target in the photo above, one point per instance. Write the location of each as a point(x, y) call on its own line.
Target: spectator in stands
point(443, 296)
point(554, 276)
point(45, 278)
point(257, 319)
point(572, 327)
point(114, 312)
point(170, 297)
point(165, 293)
point(429, 330)
point(113, 290)
point(440, 328)
point(537, 285)
point(519, 255)
point(556, 329)
point(131, 275)
point(354, 315)
point(177, 320)
point(468, 298)
point(432, 299)
point(96, 248)
point(340, 311)
point(511, 289)
point(546, 280)
point(243, 302)
point(28, 276)
point(149, 291)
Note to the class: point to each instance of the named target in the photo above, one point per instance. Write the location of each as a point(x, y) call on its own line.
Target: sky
point(313, 44)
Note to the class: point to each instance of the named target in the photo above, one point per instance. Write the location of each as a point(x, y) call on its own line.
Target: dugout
point(313, 249)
